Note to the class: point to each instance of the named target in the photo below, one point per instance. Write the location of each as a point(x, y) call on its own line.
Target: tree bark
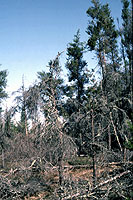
point(109, 135)
point(3, 159)
point(93, 149)
point(115, 132)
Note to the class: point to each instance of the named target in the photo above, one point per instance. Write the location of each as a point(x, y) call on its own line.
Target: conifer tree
point(3, 82)
point(3, 94)
point(76, 67)
point(51, 79)
point(75, 90)
point(127, 45)
point(103, 38)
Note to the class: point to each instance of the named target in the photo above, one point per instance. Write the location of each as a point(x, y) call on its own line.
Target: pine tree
point(3, 83)
point(103, 38)
point(76, 67)
point(75, 89)
point(3, 94)
point(127, 45)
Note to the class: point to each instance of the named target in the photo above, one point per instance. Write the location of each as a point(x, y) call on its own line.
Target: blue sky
point(33, 31)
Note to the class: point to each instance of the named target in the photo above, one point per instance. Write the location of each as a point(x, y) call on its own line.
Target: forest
point(74, 138)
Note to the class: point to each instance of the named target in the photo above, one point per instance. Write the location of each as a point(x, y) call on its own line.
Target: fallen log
point(93, 191)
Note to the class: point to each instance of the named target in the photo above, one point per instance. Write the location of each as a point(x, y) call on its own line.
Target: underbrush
point(37, 183)
point(79, 161)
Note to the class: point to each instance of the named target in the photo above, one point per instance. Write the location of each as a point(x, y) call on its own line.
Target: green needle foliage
point(76, 65)
point(127, 46)
point(102, 36)
point(3, 83)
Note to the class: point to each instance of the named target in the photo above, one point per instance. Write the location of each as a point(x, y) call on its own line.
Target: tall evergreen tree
point(127, 45)
point(78, 78)
point(76, 66)
point(103, 37)
point(3, 94)
point(3, 82)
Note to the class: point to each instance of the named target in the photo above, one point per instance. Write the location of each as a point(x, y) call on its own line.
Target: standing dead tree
point(56, 142)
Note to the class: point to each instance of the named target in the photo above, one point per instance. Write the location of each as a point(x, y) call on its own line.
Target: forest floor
point(44, 184)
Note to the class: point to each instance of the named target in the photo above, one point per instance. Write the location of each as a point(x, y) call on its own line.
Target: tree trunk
point(125, 155)
point(26, 129)
point(93, 149)
point(60, 170)
point(109, 135)
point(3, 159)
point(115, 132)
